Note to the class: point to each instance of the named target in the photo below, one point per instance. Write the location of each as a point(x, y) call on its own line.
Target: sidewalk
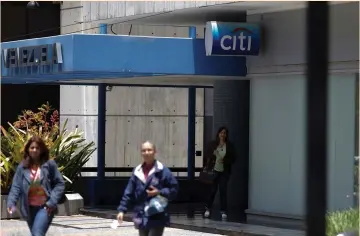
point(180, 221)
point(80, 225)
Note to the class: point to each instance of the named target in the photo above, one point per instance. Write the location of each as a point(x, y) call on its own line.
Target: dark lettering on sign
point(13, 55)
point(43, 55)
point(48, 54)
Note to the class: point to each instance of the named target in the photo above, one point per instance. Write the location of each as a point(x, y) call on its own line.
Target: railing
point(175, 170)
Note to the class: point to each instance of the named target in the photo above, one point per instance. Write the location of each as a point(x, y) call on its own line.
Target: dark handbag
point(207, 176)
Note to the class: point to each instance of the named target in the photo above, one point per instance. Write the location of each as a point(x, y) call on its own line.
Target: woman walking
point(150, 187)
point(39, 186)
point(220, 157)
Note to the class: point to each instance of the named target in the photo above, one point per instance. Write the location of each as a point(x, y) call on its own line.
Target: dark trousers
point(220, 182)
point(39, 221)
point(152, 232)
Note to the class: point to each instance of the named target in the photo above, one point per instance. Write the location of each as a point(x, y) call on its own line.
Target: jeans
point(39, 221)
point(220, 182)
point(152, 232)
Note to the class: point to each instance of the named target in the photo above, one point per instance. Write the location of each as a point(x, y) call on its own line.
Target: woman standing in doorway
point(39, 186)
point(220, 157)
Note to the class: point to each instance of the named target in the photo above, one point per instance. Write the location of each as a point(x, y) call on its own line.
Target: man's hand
point(120, 217)
point(11, 210)
point(152, 191)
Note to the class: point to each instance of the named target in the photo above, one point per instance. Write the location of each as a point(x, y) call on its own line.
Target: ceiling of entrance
point(200, 81)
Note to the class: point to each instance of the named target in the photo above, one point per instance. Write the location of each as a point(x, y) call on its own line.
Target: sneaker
point(223, 216)
point(207, 214)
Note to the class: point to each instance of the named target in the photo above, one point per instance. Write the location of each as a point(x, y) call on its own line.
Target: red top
point(37, 195)
point(146, 169)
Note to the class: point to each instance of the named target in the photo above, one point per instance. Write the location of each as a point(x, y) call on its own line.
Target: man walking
point(150, 188)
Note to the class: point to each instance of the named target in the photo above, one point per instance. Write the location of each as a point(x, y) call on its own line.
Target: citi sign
point(232, 39)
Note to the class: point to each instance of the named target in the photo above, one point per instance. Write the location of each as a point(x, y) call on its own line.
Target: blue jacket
point(135, 195)
point(50, 179)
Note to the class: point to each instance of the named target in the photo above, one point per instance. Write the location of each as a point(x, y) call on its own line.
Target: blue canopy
point(87, 57)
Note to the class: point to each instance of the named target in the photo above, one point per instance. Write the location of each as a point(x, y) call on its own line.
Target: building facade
point(264, 110)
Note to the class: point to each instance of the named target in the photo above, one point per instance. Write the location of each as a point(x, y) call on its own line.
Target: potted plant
point(68, 148)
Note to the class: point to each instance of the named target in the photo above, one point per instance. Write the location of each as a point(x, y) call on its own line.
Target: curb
point(202, 229)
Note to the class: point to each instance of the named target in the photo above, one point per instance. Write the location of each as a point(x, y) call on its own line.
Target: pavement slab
point(199, 224)
point(80, 225)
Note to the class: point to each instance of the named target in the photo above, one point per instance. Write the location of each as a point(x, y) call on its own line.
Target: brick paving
point(86, 226)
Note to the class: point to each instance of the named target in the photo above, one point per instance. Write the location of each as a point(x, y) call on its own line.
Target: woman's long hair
point(219, 131)
point(44, 151)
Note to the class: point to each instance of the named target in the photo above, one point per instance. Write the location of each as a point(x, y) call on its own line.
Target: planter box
point(71, 206)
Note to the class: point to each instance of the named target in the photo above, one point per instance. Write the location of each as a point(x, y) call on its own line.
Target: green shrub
point(68, 148)
point(342, 221)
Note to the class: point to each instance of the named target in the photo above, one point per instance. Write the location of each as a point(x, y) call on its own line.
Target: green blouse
point(220, 154)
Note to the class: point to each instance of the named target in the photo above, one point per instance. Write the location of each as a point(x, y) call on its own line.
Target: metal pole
point(100, 137)
point(317, 90)
point(101, 131)
point(101, 122)
point(191, 133)
point(191, 121)
point(103, 28)
point(191, 137)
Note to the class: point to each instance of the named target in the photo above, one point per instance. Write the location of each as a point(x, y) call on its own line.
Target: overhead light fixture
point(32, 5)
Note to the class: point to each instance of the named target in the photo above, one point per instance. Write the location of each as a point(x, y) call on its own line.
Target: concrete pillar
point(208, 118)
point(231, 109)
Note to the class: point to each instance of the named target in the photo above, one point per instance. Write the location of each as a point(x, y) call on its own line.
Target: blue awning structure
point(85, 57)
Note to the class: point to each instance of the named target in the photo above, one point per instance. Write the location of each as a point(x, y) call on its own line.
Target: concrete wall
point(135, 114)
point(71, 17)
point(277, 118)
point(107, 10)
point(84, 16)
point(79, 105)
point(277, 143)
point(284, 40)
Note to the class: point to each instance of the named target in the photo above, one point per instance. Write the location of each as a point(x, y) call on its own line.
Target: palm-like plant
point(12, 146)
point(71, 153)
point(68, 148)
